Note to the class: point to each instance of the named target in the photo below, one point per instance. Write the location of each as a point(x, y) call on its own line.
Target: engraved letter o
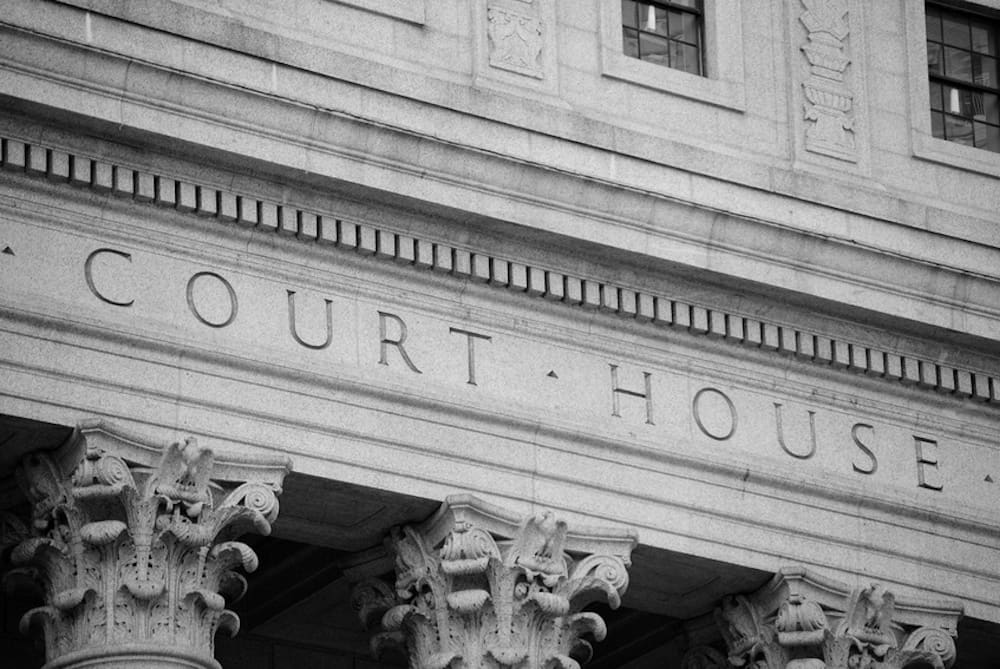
point(734, 418)
point(233, 304)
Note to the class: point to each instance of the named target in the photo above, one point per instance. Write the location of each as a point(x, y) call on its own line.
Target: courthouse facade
point(500, 333)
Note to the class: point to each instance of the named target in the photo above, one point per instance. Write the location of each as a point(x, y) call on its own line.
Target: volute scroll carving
point(137, 557)
point(470, 597)
point(802, 621)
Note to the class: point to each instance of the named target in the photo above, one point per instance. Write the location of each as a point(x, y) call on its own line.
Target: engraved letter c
point(88, 274)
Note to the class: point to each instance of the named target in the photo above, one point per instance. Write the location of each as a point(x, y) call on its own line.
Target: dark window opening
point(962, 57)
point(665, 33)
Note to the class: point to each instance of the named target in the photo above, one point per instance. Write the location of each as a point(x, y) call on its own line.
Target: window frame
point(668, 7)
point(923, 143)
point(946, 80)
point(722, 82)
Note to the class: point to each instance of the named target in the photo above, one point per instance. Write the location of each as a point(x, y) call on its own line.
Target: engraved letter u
point(295, 334)
point(781, 434)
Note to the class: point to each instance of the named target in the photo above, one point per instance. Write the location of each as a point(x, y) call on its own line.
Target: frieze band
point(309, 226)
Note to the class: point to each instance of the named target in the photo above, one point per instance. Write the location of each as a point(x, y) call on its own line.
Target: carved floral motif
point(800, 635)
point(515, 41)
point(132, 558)
point(478, 602)
point(829, 100)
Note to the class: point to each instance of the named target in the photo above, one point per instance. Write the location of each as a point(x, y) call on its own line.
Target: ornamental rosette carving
point(476, 601)
point(132, 558)
point(851, 630)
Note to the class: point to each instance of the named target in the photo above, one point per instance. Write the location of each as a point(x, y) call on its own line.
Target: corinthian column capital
point(133, 547)
point(801, 620)
point(479, 586)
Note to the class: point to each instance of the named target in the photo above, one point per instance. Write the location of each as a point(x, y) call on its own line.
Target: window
point(665, 33)
point(962, 66)
point(716, 75)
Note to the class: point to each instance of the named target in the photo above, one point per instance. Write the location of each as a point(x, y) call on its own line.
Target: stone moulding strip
point(247, 211)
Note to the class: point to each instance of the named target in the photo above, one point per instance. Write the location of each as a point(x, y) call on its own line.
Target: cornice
point(530, 280)
point(934, 279)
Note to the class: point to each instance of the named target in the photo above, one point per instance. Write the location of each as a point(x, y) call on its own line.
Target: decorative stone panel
point(802, 621)
point(474, 592)
point(515, 41)
point(134, 547)
point(515, 47)
point(829, 100)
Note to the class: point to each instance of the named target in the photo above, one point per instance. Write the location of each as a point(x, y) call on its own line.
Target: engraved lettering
point(927, 460)
point(233, 303)
point(873, 461)
point(295, 334)
point(88, 274)
point(733, 416)
point(647, 395)
point(781, 435)
point(471, 338)
point(385, 342)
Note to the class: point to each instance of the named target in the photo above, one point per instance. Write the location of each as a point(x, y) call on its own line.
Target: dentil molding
point(478, 265)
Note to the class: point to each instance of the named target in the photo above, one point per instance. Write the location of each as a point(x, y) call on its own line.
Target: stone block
point(248, 213)
point(124, 181)
point(145, 187)
point(308, 226)
point(81, 171)
point(59, 165)
point(166, 192)
point(228, 206)
point(15, 154)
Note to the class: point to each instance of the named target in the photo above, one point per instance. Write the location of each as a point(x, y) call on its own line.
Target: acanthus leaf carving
point(469, 596)
point(848, 630)
point(137, 554)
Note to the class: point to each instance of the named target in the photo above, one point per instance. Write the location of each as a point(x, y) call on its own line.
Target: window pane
point(933, 24)
point(937, 125)
point(652, 19)
point(952, 100)
point(693, 4)
point(629, 14)
point(684, 26)
point(631, 45)
point(988, 137)
point(653, 49)
point(990, 107)
point(934, 60)
point(983, 39)
point(661, 22)
point(956, 31)
point(958, 130)
point(685, 57)
point(936, 96)
point(984, 71)
point(957, 64)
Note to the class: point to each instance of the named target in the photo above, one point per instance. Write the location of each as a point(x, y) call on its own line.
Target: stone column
point(480, 588)
point(803, 621)
point(133, 547)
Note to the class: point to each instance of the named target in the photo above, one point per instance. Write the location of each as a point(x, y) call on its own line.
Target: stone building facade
point(500, 333)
